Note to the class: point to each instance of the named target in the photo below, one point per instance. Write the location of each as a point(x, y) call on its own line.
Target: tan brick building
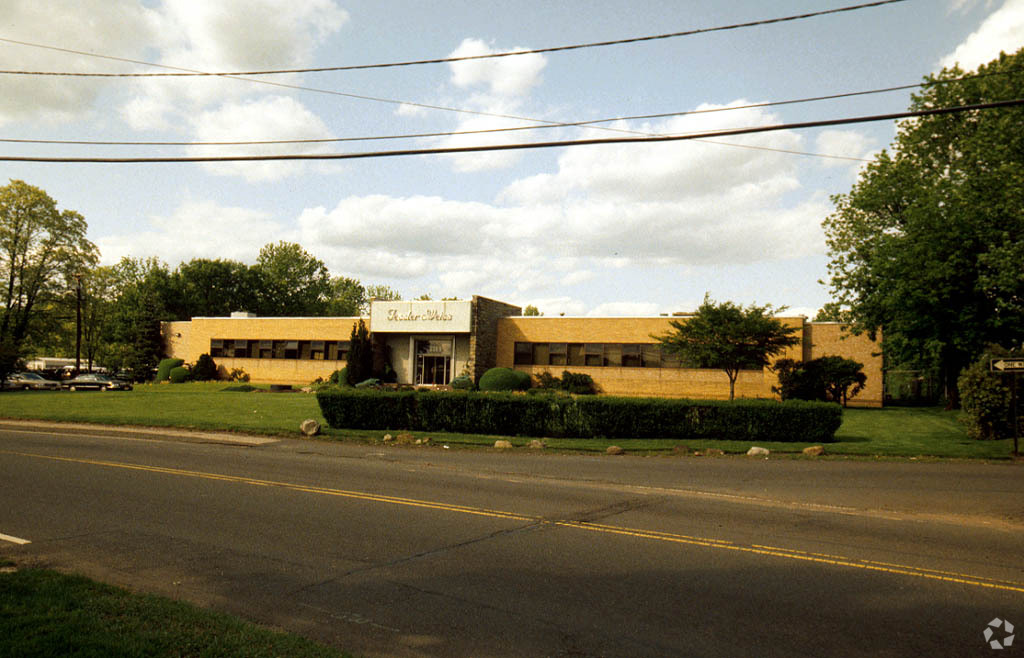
point(428, 343)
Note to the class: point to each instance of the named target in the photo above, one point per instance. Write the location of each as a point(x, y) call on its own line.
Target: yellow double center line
point(654, 535)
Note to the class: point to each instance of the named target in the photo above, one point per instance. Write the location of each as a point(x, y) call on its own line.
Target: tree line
point(57, 300)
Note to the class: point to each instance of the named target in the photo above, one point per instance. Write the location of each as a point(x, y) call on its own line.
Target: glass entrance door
point(433, 362)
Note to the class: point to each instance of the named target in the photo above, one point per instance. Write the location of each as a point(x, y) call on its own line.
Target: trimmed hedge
point(163, 370)
point(583, 417)
point(179, 375)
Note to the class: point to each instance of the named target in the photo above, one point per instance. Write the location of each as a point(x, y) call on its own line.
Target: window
point(613, 354)
point(651, 355)
point(240, 349)
point(576, 354)
point(266, 349)
point(216, 347)
point(540, 354)
point(291, 349)
point(670, 359)
point(557, 353)
point(593, 354)
point(631, 356)
point(523, 354)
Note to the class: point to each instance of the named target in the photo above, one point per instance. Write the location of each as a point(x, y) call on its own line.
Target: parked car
point(24, 381)
point(96, 382)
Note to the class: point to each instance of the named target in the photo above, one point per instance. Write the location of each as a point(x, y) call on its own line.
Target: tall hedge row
point(583, 417)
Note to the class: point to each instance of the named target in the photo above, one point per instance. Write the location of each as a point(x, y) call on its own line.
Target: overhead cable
point(522, 146)
point(180, 72)
point(590, 123)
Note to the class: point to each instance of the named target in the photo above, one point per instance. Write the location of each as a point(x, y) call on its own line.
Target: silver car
point(25, 381)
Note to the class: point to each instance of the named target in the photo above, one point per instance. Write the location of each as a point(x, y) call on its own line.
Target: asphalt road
point(433, 552)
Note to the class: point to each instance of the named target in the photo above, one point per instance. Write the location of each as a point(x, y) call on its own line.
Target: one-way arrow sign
point(1007, 365)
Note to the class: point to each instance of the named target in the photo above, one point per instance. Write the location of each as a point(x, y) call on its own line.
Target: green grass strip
point(45, 613)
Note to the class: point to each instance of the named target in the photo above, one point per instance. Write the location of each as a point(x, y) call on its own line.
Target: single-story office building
point(428, 343)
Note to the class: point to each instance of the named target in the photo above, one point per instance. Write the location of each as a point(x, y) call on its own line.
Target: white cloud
point(844, 143)
point(498, 88)
point(1001, 31)
point(228, 35)
point(86, 25)
point(198, 229)
point(268, 118)
point(624, 309)
point(503, 76)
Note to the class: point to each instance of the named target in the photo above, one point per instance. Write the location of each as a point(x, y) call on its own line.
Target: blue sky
point(629, 229)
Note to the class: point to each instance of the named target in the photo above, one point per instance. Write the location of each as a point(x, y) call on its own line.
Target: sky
point(595, 230)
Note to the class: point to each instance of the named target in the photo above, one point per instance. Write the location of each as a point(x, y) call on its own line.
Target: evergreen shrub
point(584, 417)
point(163, 370)
point(179, 375)
point(504, 379)
point(205, 369)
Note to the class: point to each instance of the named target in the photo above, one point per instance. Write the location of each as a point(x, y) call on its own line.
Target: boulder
point(614, 450)
point(310, 427)
point(755, 451)
point(814, 451)
point(388, 438)
point(536, 444)
point(502, 444)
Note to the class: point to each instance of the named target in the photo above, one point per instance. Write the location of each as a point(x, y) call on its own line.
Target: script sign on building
point(421, 317)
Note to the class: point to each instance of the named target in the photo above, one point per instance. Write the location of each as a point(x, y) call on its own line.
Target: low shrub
point(241, 388)
point(986, 398)
point(163, 369)
point(179, 375)
point(504, 379)
point(584, 417)
point(238, 375)
point(575, 383)
point(339, 377)
point(463, 383)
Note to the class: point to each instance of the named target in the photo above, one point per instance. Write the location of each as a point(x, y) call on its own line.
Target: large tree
point(41, 250)
point(928, 245)
point(729, 337)
point(135, 343)
point(213, 288)
point(291, 281)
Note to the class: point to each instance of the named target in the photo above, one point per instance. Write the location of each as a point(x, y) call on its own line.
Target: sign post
point(1011, 367)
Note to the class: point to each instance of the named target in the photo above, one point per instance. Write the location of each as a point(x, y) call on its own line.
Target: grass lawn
point(45, 613)
point(893, 431)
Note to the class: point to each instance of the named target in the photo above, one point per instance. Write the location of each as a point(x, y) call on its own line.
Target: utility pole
point(78, 322)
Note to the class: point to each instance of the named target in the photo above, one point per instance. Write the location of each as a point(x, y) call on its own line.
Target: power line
point(590, 123)
point(181, 72)
point(524, 146)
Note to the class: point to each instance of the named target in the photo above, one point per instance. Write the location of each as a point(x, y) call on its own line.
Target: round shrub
point(462, 383)
point(179, 375)
point(504, 379)
point(163, 370)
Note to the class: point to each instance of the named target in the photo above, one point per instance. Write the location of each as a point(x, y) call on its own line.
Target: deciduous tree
point(926, 247)
point(729, 337)
point(41, 249)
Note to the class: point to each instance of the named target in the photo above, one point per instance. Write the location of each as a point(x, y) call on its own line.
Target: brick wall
point(678, 382)
point(483, 339)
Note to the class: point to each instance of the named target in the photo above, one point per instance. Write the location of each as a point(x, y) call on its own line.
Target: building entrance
point(433, 362)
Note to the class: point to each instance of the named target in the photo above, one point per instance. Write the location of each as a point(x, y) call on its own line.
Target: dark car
point(96, 382)
point(24, 381)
